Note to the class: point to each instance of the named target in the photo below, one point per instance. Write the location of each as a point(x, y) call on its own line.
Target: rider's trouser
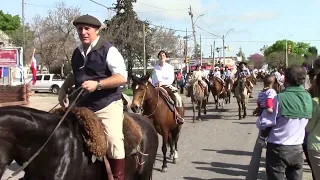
point(112, 118)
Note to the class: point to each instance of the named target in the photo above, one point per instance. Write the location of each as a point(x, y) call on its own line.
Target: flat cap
point(88, 20)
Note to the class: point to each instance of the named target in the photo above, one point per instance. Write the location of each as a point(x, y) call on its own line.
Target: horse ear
point(146, 77)
point(135, 78)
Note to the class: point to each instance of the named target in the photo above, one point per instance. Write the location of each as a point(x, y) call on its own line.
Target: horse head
point(142, 92)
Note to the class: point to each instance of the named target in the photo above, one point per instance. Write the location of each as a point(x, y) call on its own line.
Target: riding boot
point(179, 119)
point(117, 168)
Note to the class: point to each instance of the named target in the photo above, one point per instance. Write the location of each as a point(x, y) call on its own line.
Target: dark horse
point(149, 99)
point(217, 89)
point(229, 84)
point(24, 130)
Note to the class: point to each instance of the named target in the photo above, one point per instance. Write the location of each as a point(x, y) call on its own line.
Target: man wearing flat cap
point(99, 68)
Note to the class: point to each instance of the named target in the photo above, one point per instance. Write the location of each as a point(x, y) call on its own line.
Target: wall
point(14, 95)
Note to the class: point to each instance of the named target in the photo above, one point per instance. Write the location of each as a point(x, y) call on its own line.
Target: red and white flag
point(1, 72)
point(34, 67)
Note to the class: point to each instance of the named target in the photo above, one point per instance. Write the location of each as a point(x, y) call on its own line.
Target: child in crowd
point(265, 103)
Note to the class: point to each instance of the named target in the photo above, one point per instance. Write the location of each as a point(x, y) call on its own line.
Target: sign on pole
point(9, 57)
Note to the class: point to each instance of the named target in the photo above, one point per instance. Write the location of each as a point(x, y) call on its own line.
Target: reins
point(25, 164)
point(158, 97)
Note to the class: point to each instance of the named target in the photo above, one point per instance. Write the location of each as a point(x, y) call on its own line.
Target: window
point(46, 77)
point(39, 78)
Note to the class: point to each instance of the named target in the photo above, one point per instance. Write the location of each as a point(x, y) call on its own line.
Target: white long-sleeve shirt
point(114, 59)
point(164, 74)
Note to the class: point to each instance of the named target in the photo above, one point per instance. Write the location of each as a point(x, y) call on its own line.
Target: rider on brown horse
point(242, 69)
point(198, 76)
point(164, 76)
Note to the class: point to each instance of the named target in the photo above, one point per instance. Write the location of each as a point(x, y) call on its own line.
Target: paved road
point(220, 147)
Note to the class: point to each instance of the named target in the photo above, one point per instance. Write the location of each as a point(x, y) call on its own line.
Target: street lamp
point(223, 38)
point(287, 50)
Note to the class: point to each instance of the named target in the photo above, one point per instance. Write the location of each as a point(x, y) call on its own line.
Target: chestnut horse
point(229, 84)
point(217, 89)
point(148, 98)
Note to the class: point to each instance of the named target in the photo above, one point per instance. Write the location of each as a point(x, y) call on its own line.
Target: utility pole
point(200, 51)
point(286, 53)
point(186, 51)
point(213, 53)
point(23, 32)
point(194, 34)
point(144, 50)
point(223, 51)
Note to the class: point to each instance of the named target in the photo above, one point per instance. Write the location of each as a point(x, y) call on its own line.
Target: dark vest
point(94, 67)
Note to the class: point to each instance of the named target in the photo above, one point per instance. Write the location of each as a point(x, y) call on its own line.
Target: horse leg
point(244, 107)
point(170, 139)
point(216, 100)
point(204, 102)
point(199, 110)
point(165, 137)
point(175, 135)
point(239, 109)
point(194, 110)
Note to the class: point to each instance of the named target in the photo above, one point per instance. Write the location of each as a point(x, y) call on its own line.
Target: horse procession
point(97, 133)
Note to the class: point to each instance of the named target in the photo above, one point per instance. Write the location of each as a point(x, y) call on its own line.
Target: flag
point(34, 67)
point(1, 72)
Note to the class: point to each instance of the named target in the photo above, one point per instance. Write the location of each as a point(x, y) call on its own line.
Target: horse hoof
point(164, 169)
point(171, 156)
point(199, 119)
point(174, 161)
point(240, 118)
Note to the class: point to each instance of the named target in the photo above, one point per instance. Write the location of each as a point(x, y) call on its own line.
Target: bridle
point(143, 99)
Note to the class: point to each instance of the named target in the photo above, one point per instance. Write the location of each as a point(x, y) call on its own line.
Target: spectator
point(313, 129)
point(292, 109)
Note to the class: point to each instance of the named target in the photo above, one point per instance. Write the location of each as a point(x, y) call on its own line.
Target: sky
point(254, 23)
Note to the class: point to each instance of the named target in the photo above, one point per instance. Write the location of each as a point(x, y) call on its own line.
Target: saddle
point(93, 131)
point(169, 101)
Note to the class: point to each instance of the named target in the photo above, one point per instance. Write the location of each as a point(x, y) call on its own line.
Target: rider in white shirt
point(217, 74)
point(164, 76)
point(198, 75)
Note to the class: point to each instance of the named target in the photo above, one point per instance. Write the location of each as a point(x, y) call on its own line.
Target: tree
point(257, 60)
point(163, 39)
point(313, 55)
point(299, 48)
point(9, 23)
point(278, 59)
point(241, 55)
point(55, 47)
point(196, 50)
point(263, 48)
point(125, 31)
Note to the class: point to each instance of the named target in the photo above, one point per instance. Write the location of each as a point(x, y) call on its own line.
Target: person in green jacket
point(313, 129)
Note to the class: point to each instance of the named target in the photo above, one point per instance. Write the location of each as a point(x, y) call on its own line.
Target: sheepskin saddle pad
point(93, 131)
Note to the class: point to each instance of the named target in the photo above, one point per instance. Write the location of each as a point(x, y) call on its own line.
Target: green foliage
point(9, 23)
point(278, 59)
point(299, 48)
point(309, 59)
point(198, 52)
point(125, 31)
point(241, 54)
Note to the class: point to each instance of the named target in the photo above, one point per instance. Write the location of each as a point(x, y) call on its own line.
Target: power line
point(160, 7)
point(207, 31)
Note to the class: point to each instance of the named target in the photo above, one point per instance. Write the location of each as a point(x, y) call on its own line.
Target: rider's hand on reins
point(89, 85)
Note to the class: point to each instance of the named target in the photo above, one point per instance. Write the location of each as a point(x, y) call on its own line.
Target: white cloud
point(170, 9)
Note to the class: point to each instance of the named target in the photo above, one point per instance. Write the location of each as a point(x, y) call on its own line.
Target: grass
point(128, 92)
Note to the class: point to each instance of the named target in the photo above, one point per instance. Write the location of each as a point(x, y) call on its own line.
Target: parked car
point(47, 82)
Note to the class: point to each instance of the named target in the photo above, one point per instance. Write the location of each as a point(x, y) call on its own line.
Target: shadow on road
point(224, 168)
point(195, 178)
point(245, 123)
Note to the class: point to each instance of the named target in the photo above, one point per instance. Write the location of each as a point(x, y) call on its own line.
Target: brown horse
point(229, 84)
point(217, 89)
point(242, 96)
point(198, 98)
point(153, 103)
